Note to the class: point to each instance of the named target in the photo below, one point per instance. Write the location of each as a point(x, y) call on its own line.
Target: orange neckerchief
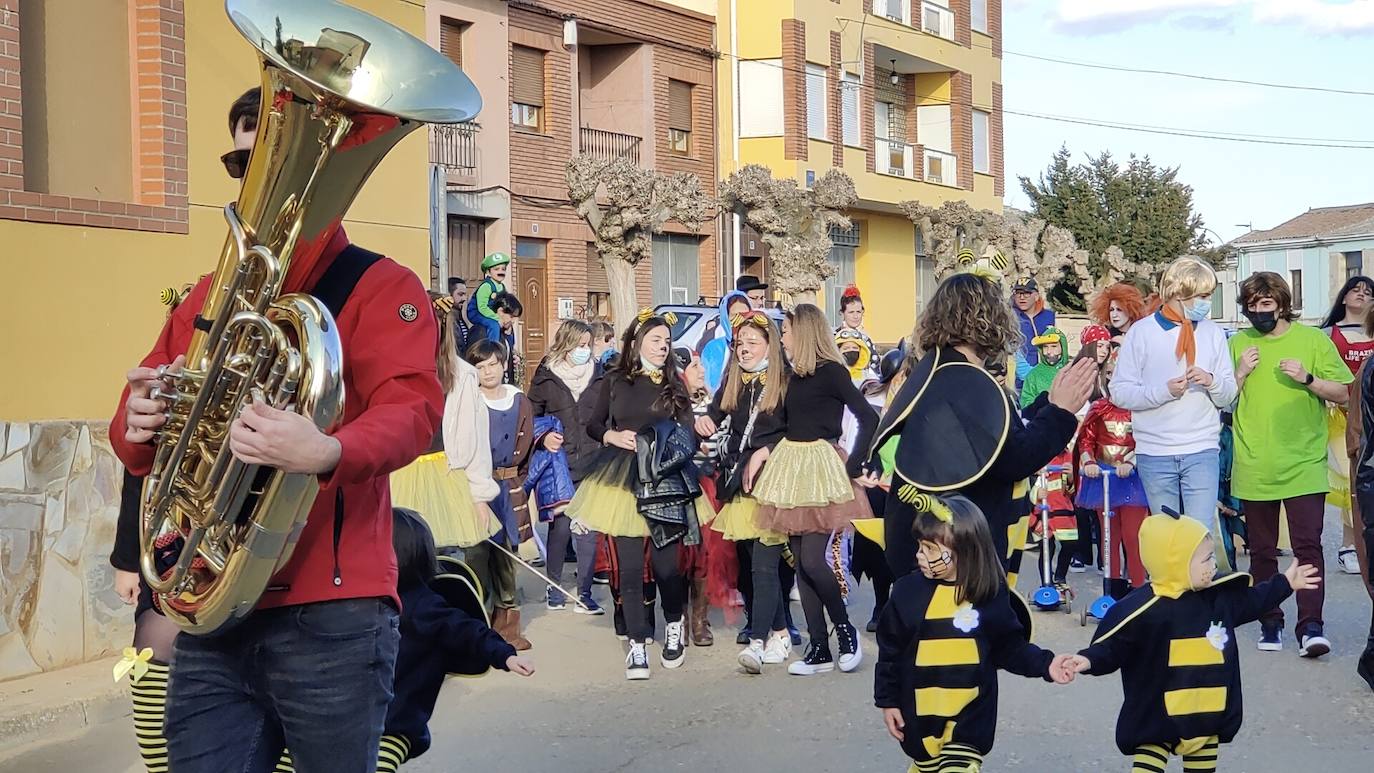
point(1187, 345)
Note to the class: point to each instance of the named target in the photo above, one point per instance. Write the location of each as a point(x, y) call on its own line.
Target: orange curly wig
point(1126, 295)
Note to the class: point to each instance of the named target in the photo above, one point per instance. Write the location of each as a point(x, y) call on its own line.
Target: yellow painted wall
point(885, 270)
point(935, 88)
point(78, 306)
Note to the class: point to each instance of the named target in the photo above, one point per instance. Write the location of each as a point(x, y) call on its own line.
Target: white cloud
point(1319, 16)
point(1098, 16)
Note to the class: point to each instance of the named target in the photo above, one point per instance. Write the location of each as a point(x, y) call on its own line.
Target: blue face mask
point(1200, 310)
point(580, 356)
point(607, 355)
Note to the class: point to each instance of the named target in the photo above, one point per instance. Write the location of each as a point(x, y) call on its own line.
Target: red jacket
point(392, 406)
point(1105, 435)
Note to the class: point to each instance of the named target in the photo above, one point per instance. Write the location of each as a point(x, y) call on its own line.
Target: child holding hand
point(945, 633)
point(1174, 640)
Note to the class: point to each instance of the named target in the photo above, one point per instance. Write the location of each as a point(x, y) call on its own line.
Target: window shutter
point(933, 127)
point(680, 105)
point(816, 102)
point(451, 40)
point(982, 149)
point(760, 98)
point(596, 273)
point(849, 108)
point(527, 76)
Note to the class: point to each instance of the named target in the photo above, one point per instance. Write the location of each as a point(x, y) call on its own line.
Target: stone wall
point(59, 499)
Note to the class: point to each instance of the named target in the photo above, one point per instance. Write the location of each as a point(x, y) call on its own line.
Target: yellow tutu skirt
point(804, 489)
point(606, 503)
point(444, 500)
point(1338, 465)
point(735, 522)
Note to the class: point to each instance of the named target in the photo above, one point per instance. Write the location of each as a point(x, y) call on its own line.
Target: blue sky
point(1328, 43)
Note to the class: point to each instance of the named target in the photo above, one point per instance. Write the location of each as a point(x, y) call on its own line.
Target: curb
point(60, 703)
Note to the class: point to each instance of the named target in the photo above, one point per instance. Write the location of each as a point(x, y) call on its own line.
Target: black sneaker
point(602, 578)
point(872, 626)
point(851, 650)
point(1076, 566)
point(1271, 637)
point(1312, 644)
point(1365, 668)
point(636, 662)
point(744, 636)
point(674, 644)
point(816, 661)
point(621, 632)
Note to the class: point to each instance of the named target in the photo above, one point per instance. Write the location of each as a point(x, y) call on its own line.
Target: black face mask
point(851, 358)
point(1264, 321)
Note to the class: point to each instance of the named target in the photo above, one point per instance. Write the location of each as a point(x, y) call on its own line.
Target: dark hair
point(484, 349)
point(978, 576)
point(1267, 284)
point(416, 563)
point(1089, 351)
point(968, 309)
point(454, 281)
point(1338, 305)
point(673, 398)
point(245, 109)
point(849, 300)
point(507, 303)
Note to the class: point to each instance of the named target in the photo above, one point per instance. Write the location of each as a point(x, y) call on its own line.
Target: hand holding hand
point(578, 526)
point(868, 480)
point(1124, 470)
point(126, 586)
point(1249, 360)
point(705, 427)
point(285, 440)
point(895, 724)
point(1294, 370)
point(1302, 577)
point(521, 665)
point(1062, 669)
point(1079, 664)
point(144, 413)
point(622, 438)
point(1177, 386)
point(1072, 385)
point(1196, 375)
point(752, 469)
point(1091, 470)
point(553, 441)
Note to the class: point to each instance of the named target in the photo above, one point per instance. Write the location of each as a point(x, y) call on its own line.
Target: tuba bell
point(339, 89)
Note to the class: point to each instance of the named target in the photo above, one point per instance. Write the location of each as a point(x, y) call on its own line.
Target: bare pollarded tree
point(636, 203)
point(795, 223)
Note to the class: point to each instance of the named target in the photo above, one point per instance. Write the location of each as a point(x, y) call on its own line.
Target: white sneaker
point(752, 658)
point(1348, 560)
point(637, 662)
point(1313, 643)
point(778, 649)
point(674, 645)
point(795, 594)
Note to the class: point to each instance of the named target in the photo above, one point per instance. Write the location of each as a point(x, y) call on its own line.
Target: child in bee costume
point(945, 633)
point(1174, 641)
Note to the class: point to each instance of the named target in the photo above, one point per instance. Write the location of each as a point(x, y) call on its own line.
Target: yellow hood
point(1167, 543)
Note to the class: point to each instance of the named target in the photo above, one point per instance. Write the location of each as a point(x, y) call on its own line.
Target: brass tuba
point(339, 89)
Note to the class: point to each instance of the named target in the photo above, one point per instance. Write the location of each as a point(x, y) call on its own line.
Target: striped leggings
point(954, 758)
point(395, 750)
point(1200, 757)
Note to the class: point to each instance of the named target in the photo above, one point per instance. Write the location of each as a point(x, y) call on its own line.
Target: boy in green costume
point(494, 269)
point(1054, 351)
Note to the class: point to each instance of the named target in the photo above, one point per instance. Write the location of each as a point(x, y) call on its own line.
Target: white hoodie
point(465, 424)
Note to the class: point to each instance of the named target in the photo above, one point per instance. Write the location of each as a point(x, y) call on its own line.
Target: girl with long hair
point(1345, 325)
point(642, 390)
point(808, 490)
point(750, 405)
point(565, 386)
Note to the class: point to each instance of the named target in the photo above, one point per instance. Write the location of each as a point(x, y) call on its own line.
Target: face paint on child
point(1051, 353)
point(935, 560)
point(1202, 569)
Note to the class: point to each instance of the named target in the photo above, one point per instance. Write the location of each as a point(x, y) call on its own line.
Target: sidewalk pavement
point(58, 703)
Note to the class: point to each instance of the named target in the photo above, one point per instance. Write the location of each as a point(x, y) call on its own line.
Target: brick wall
point(866, 107)
point(836, 111)
point(794, 141)
point(913, 137)
point(961, 118)
point(999, 183)
point(963, 19)
point(995, 26)
point(160, 188)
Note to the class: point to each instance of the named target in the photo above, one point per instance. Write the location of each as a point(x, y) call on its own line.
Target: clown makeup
point(935, 561)
point(751, 349)
point(1051, 353)
point(1202, 569)
point(1118, 317)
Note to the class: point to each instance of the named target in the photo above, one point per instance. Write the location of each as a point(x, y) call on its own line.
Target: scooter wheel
point(1083, 618)
point(1068, 604)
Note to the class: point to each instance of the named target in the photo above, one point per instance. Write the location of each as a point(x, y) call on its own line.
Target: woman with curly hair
point(1118, 307)
point(959, 431)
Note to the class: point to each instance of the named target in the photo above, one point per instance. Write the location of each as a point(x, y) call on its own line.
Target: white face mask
point(648, 367)
point(758, 367)
point(580, 356)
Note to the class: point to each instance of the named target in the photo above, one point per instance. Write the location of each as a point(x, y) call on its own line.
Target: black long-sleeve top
point(629, 405)
point(815, 405)
point(124, 556)
point(769, 426)
point(1180, 669)
point(938, 662)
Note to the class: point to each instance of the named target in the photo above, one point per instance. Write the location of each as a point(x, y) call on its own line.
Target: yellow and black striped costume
point(1018, 531)
point(938, 661)
point(1176, 650)
point(394, 751)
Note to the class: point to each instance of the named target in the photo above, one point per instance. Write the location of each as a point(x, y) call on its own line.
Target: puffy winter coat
point(549, 476)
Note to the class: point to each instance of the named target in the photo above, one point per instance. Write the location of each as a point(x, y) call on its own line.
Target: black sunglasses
point(235, 162)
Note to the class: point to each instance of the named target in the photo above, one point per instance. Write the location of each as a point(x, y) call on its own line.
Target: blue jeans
point(1187, 484)
point(314, 678)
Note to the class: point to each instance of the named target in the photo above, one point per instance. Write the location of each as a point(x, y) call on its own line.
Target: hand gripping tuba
point(339, 89)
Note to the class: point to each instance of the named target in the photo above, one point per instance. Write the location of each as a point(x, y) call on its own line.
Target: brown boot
point(697, 614)
point(499, 623)
point(512, 634)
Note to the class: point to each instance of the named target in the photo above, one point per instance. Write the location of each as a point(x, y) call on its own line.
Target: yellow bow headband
point(758, 318)
point(925, 503)
point(990, 267)
point(646, 314)
point(444, 304)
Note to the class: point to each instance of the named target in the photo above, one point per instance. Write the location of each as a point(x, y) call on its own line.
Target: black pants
point(1088, 530)
point(785, 577)
point(898, 518)
point(868, 559)
point(820, 590)
point(672, 588)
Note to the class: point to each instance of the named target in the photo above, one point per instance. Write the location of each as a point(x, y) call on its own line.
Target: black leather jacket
point(667, 482)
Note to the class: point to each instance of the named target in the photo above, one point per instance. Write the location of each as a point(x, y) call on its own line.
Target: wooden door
point(533, 284)
point(467, 245)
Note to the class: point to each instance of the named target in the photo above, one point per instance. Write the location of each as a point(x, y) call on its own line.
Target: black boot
point(1365, 667)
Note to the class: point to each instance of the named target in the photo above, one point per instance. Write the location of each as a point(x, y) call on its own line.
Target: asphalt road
point(579, 715)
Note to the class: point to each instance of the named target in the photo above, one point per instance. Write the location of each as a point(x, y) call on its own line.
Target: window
point(896, 10)
point(849, 109)
point(937, 19)
point(816, 102)
point(844, 244)
point(1354, 264)
point(676, 269)
point(978, 16)
point(1295, 282)
point(933, 130)
point(760, 98)
point(982, 150)
point(451, 40)
point(527, 88)
point(679, 116)
point(532, 249)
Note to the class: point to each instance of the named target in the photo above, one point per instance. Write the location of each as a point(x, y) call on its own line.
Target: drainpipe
point(734, 134)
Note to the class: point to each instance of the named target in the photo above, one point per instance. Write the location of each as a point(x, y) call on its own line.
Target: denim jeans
point(560, 534)
point(315, 678)
point(1187, 484)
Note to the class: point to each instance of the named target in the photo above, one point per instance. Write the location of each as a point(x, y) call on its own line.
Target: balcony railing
point(933, 16)
point(941, 168)
point(894, 157)
point(600, 143)
point(454, 146)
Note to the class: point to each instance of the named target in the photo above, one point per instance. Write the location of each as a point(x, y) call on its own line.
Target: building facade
point(610, 78)
point(1316, 252)
point(904, 96)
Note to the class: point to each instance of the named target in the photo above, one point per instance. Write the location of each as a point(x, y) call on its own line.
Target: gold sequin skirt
point(804, 489)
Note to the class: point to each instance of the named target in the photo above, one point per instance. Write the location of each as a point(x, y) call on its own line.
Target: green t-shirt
point(1280, 426)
